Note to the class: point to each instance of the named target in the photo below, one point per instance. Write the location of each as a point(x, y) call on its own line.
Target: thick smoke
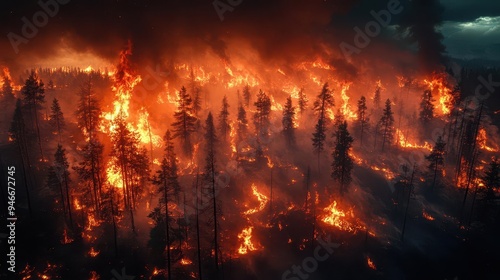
point(278, 30)
point(420, 22)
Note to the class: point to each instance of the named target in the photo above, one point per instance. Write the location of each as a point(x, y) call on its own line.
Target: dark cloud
point(467, 10)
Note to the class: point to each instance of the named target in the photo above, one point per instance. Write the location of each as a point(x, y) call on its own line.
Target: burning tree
point(261, 116)
point(224, 126)
point(247, 95)
point(242, 128)
point(324, 102)
point(436, 158)
point(303, 100)
point(386, 124)
point(376, 96)
point(342, 161)
point(129, 162)
point(57, 118)
point(288, 121)
point(185, 122)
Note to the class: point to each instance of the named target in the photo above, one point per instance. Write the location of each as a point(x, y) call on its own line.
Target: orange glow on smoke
point(427, 216)
point(370, 263)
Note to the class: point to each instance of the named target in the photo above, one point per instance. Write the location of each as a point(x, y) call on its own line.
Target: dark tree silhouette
point(168, 185)
point(61, 170)
point(185, 122)
point(261, 116)
point(224, 126)
point(57, 118)
point(88, 110)
point(426, 107)
point(436, 158)
point(323, 102)
point(247, 95)
point(288, 121)
point(33, 92)
point(342, 161)
point(210, 175)
point(377, 97)
point(17, 133)
point(362, 119)
point(386, 125)
point(302, 101)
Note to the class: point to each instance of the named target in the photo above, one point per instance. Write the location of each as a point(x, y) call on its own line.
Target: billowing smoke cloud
point(162, 29)
point(420, 22)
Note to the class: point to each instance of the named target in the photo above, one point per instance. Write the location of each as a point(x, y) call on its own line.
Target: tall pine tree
point(342, 161)
point(288, 121)
point(57, 118)
point(185, 122)
point(324, 101)
point(386, 125)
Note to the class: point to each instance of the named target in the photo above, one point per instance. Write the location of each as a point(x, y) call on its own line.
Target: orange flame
point(247, 244)
point(370, 263)
point(445, 97)
point(262, 201)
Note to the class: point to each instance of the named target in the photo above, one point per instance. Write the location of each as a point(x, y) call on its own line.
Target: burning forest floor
point(268, 181)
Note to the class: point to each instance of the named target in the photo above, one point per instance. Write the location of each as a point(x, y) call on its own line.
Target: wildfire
point(186, 261)
point(247, 244)
point(93, 253)
point(346, 108)
point(387, 173)
point(262, 201)
point(339, 218)
point(427, 216)
point(438, 83)
point(370, 263)
point(404, 142)
point(66, 239)
point(482, 140)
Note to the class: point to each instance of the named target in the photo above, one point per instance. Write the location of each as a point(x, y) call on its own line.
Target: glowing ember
point(185, 261)
point(66, 239)
point(93, 253)
point(370, 263)
point(247, 244)
point(427, 216)
point(262, 201)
